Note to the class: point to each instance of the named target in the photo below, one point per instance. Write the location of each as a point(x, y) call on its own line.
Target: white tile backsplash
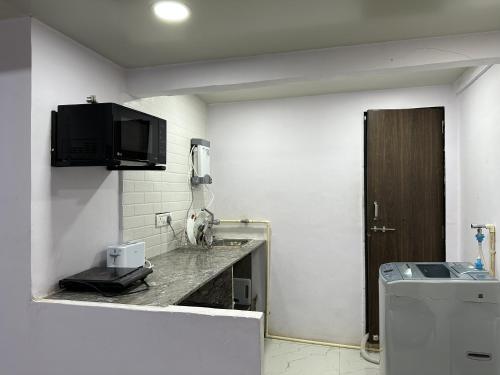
point(132, 198)
point(145, 193)
point(143, 186)
point(152, 197)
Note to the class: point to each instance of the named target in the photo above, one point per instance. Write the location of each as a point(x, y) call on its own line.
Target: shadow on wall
point(72, 191)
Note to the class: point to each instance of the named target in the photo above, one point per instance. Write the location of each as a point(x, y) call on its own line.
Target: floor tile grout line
point(273, 360)
point(339, 361)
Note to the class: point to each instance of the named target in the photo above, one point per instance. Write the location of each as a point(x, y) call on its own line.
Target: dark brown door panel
point(404, 175)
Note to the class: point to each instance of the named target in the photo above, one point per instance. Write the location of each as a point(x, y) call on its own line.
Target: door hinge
point(442, 126)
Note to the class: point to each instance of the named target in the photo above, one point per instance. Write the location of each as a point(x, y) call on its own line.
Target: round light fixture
point(171, 11)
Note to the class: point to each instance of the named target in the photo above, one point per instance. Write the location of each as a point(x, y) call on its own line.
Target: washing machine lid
point(432, 271)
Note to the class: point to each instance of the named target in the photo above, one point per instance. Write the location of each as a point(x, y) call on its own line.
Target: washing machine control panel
point(463, 268)
point(390, 272)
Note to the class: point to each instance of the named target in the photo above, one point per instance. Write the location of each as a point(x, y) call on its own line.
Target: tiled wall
point(145, 193)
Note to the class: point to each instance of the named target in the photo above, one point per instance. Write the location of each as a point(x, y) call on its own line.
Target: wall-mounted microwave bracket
point(136, 167)
point(91, 99)
point(53, 139)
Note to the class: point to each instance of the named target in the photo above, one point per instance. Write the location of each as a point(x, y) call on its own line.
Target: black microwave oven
point(107, 134)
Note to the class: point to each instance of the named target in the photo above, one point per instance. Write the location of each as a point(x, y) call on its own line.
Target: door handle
point(375, 209)
point(382, 229)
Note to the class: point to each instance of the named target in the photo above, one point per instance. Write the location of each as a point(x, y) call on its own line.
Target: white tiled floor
point(289, 358)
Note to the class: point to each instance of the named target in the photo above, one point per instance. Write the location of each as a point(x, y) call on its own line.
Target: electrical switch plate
point(162, 219)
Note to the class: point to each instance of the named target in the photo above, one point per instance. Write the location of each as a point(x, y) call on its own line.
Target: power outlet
point(163, 219)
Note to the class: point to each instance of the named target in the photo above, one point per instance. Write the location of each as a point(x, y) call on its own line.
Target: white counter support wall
point(15, 210)
point(83, 339)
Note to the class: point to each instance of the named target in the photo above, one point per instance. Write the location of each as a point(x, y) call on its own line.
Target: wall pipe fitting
point(313, 342)
point(491, 244)
point(267, 223)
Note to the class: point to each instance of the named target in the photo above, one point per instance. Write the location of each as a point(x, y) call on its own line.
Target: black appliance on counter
point(107, 134)
point(107, 280)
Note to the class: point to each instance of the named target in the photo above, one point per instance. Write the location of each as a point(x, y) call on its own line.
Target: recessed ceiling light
point(171, 11)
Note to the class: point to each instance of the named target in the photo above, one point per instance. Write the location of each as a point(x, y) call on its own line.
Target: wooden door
point(404, 182)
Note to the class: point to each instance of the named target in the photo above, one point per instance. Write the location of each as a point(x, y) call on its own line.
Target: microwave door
point(135, 139)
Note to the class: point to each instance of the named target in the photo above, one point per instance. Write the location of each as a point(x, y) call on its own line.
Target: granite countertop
point(176, 274)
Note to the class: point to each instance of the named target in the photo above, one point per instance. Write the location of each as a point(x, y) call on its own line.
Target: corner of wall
point(74, 211)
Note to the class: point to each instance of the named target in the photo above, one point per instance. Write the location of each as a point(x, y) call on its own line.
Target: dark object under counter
point(177, 274)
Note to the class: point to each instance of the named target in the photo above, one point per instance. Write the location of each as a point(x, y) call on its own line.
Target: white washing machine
point(438, 319)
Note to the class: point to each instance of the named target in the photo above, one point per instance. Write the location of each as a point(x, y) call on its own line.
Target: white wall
point(147, 193)
point(299, 163)
point(75, 211)
point(15, 190)
point(102, 339)
point(480, 158)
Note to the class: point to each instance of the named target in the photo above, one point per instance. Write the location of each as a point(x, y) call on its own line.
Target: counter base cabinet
point(249, 281)
point(217, 293)
point(240, 287)
point(242, 284)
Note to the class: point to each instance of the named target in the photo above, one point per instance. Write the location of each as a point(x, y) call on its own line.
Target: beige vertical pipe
point(267, 223)
point(492, 240)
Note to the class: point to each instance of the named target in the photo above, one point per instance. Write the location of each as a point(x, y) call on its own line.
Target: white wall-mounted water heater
point(201, 161)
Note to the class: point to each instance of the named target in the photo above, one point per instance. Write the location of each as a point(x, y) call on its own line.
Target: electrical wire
point(212, 198)
point(173, 231)
point(190, 172)
point(194, 172)
point(364, 354)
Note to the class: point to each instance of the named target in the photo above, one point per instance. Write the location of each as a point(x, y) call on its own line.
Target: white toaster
point(127, 255)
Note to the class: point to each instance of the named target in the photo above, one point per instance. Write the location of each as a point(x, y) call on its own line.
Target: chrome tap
point(213, 220)
point(207, 236)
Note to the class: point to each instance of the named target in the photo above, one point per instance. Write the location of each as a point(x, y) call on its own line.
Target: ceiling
point(126, 32)
point(8, 11)
point(369, 81)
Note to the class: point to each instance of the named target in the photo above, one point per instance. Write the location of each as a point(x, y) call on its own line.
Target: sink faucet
point(212, 220)
point(207, 235)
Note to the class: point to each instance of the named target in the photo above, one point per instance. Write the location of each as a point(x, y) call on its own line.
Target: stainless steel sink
point(230, 242)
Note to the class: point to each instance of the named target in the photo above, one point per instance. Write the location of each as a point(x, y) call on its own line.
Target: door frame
point(365, 189)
